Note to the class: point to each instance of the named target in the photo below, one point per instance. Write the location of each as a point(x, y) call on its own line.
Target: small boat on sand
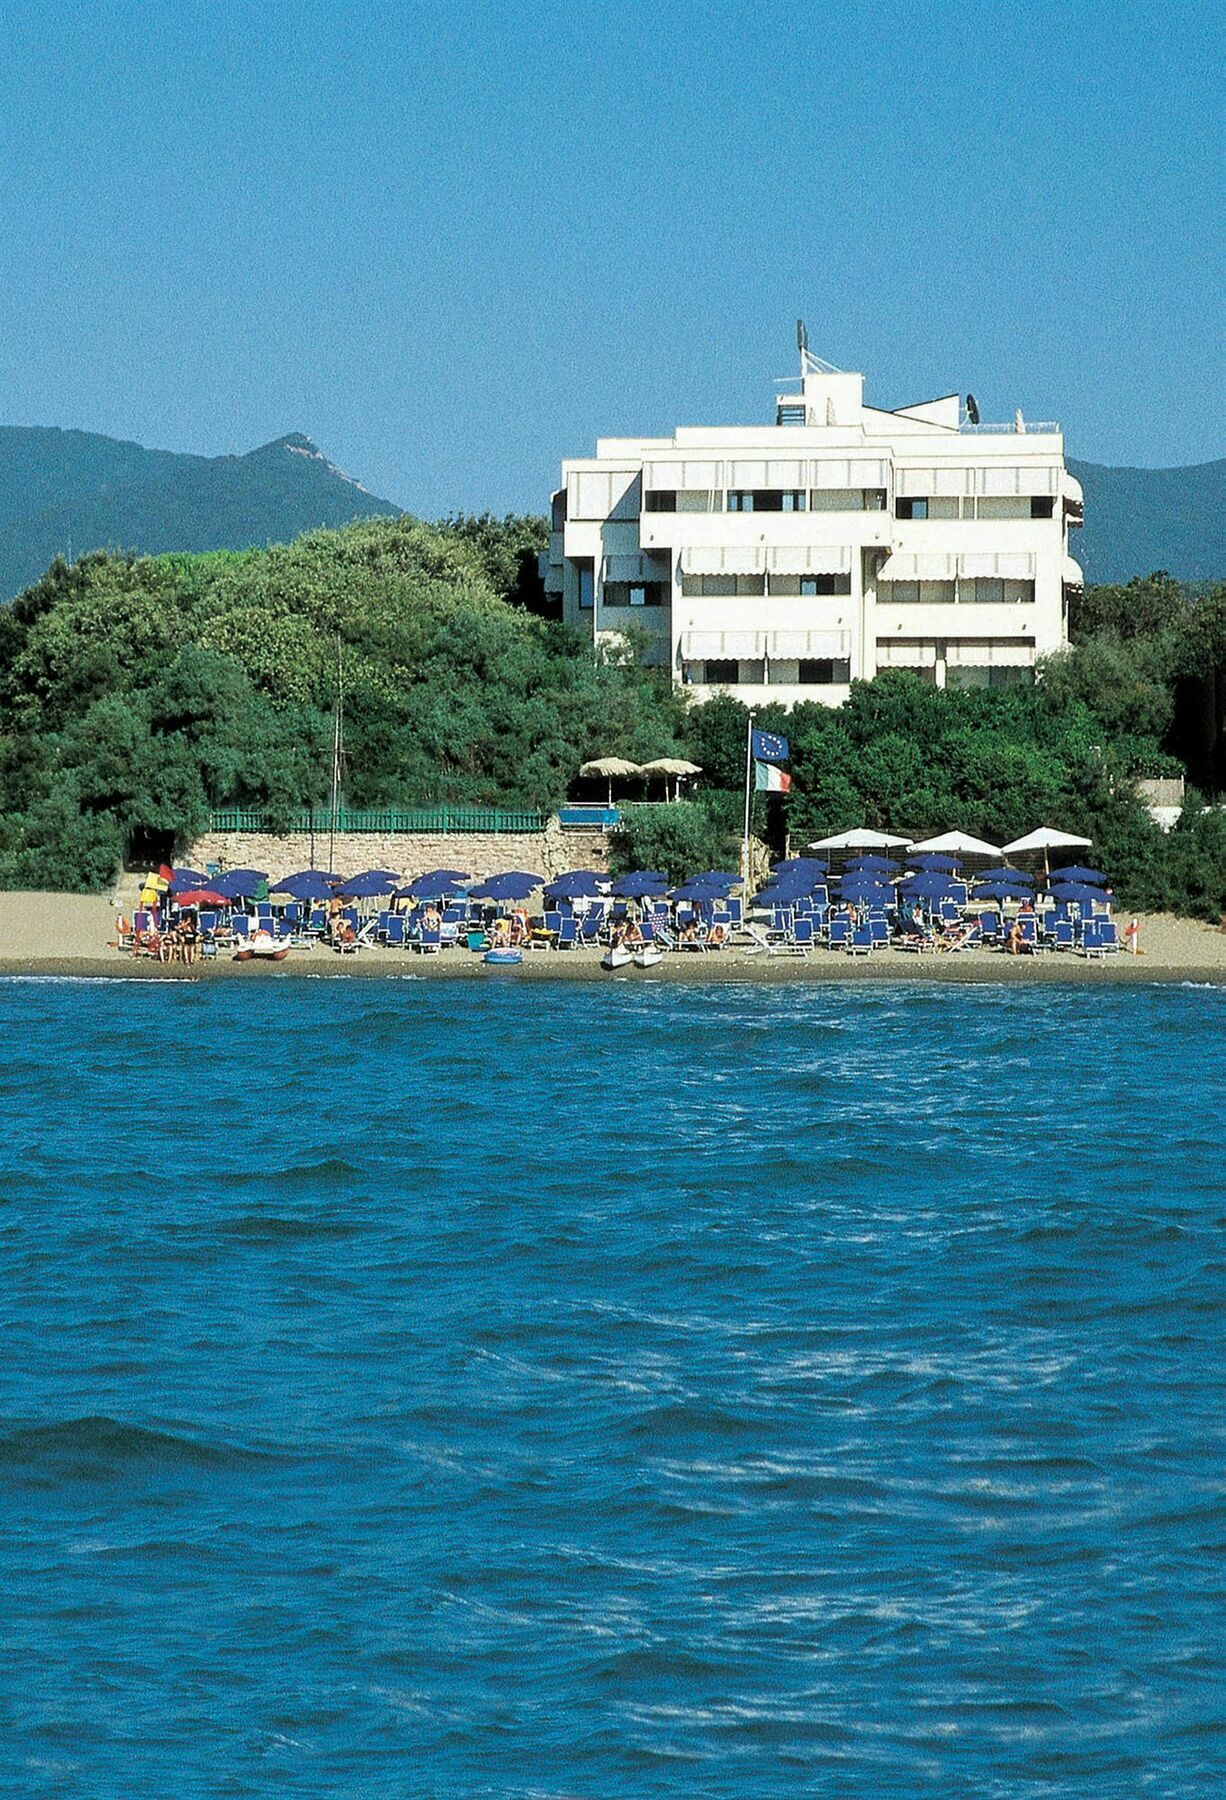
point(648, 957)
point(616, 957)
point(262, 946)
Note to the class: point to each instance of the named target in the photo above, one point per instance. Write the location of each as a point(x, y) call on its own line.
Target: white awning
point(703, 646)
point(786, 646)
point(1007, 565)
point(1071, 573)
point(725, 559)
point(904, 565)
point(809, 559)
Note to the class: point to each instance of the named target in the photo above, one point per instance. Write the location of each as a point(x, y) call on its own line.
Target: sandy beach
point(71, 934)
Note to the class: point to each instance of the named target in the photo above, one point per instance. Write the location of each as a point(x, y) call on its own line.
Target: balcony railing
point(1031, 427)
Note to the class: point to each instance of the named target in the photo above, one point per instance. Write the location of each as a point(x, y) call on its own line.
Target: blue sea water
point(419, 1389)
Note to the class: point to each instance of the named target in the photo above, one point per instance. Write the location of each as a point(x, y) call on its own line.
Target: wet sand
point(68, 935)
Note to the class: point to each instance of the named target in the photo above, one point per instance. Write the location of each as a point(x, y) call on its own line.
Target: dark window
point(825, 584)
point(1042, 506)
point(587, 584)
point(721, 670)
point(661, 500)
point(911, 509)
point(635, 593)
point(824, 671)
point(558, 510)
point(766, 500)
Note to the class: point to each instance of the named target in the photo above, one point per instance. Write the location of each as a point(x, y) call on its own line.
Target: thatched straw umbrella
point(609, 767)
point(670, 767)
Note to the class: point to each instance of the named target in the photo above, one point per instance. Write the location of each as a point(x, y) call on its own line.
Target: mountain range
point(64, 492)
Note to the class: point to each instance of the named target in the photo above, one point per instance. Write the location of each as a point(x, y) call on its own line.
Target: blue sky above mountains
point(453, 245)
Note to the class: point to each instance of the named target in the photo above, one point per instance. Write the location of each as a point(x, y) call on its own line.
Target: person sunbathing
point(717, 937)
point(1017, 936)
point(633, 933)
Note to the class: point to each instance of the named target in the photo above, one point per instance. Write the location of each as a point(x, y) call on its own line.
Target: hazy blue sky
point(455, 242)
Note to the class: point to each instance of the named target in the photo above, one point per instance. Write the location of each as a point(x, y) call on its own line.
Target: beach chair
point(735, 913)
point(240, 925)
point(860, 942)
point(802, 935)
point(429, 941)
point(317, 920)
point(393, 935)
point(1108, 937)
point(761, 944)
point(1063, 933)
point(593, 924)
point(838, 935)
point(568, 932)
point(989, 926)
point(879, 930)
point(950, 912)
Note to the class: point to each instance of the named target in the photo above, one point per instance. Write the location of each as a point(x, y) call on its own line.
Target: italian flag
point(767, 779)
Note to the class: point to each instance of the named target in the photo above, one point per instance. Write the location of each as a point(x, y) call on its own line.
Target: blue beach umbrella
point(583, 884)
point(638, 883)
point(430, 887)
point(1077, 873)
point(183, 879)
point(934, 860)
point(369, 886)
point(1080, 891)
point(996, 891)
point(239, 884)
point(446, 876)
point(309, 884)
point(1005, 877)
point(716, 878)
point(516, 884)
point(879, 865)
point(808, 865)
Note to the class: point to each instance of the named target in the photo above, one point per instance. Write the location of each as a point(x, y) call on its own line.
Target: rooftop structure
point(780, 562)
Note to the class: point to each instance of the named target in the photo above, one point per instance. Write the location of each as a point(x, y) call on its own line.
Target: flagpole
point(748, 777)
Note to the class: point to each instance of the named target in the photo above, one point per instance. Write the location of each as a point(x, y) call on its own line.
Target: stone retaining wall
point(409, 853)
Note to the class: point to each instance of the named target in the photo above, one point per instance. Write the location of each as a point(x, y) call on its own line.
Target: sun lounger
point(839, 934)
point(568, 932)
point(761, 943)
point(861, 941)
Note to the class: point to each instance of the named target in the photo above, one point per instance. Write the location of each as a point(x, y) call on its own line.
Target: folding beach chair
point(878, 930)
point(394, 932)
point(861, 940)
point(568, 932)
point(592, 925)
point(839, 934)
point(802, 935)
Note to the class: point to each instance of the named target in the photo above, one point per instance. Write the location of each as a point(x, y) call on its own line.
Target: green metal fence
point(436, 819)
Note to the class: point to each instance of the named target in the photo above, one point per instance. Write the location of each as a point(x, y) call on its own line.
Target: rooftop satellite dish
point(802, 338)
point(972, 409)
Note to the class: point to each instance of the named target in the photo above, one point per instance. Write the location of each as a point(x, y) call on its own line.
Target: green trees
point(137, 694)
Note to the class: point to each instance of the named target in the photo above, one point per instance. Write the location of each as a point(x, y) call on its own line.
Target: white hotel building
point(779, 563)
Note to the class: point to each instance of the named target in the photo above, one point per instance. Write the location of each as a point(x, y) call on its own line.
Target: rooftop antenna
point(811, 364)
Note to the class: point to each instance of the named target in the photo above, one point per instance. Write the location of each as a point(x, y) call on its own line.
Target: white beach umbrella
point(861, 839)
point(958, 843)
point(1045, 838)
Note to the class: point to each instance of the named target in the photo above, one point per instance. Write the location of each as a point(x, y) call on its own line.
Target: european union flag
point(768, 746)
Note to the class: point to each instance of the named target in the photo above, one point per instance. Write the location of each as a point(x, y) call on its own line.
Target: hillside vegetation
point(137, 694)
point(68, 492)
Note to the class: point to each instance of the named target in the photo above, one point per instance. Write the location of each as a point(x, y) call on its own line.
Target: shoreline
point(718, 969)
point(68, 935)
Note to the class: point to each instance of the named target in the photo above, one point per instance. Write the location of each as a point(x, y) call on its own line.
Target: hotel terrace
point(780, 562)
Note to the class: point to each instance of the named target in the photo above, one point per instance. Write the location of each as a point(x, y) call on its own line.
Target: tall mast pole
point(748, 791)
point(336, 761)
